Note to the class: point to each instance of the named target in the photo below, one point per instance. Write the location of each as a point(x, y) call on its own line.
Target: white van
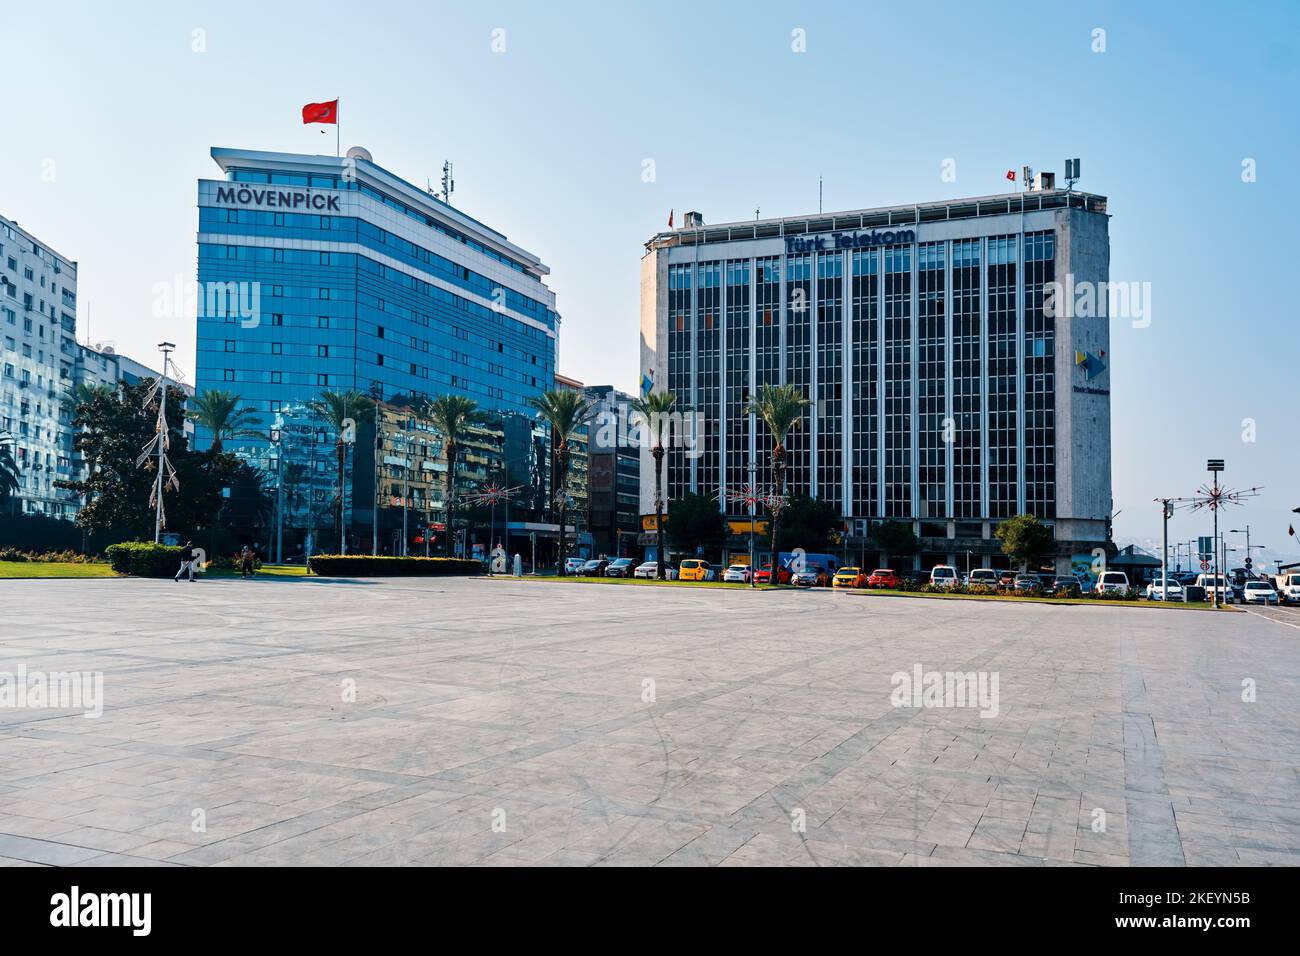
point(1111, 581)
point(1288, 588)
point(1212, 583)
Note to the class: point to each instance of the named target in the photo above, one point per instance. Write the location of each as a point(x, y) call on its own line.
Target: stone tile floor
point(525, 723)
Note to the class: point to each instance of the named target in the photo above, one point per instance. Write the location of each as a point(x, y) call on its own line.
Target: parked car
point(693, 569)
point(1170, 591)
point(943, 575)
point(594, 568)
point(1111, 582)
point(1026, 582)
point(1259, 592)
point(1066, 585)
point(812, 576)
point(1289, 588)
point(1215, 583)
point(715, 572)
point(850, 578)
point(736, 574)
point(620, 568)
point(764, 575)
point(986, 577)
point(573, 565)
point(1006, 579)
point(883, 578)
point(650, 569)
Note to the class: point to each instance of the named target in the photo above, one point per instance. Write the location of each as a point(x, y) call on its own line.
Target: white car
point(736, 574)
point(1172, 590)
point(985, 577)
point(650, 569)
point(1259, 592)
point(1289, 589)
point(1111, 582)
point(944, 575)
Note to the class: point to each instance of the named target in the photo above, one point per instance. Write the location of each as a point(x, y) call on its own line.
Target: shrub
point(365, 565)
point(144, 559)
point(1129, 594)
point(47, 557)
point(984, 589)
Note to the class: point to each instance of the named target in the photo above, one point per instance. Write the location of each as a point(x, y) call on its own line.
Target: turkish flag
point(321, 112)
point(1011, 175)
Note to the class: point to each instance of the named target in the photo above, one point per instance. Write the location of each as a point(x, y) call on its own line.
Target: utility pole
point(1214, 466)
point(277, 439)
point(1166, 510)
point(753, 501)
point(166, 348)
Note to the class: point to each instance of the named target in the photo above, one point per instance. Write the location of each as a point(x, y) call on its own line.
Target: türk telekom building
point(943, 392)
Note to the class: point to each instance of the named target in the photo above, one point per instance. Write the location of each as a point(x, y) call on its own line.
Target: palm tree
point(85, 392)
point(451, 416)
point(781, 409)
point(565, 411)
point(655, 409)
point(219, 412)
point(343, 411)
point(9, 470)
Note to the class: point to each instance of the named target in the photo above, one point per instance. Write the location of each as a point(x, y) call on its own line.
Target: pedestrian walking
point(246, 561)
point(187, 562)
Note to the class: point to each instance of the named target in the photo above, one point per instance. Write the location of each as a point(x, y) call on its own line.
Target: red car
point(883, 578)
point(764, 575)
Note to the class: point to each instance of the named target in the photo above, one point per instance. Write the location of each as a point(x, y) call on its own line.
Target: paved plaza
point(518, 723)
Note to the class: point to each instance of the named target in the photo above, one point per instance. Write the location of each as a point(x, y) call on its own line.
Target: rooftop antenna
point(1026, 176)
point(1071, 172)
point(756, 212)
point(448, 183)
point(819, 195)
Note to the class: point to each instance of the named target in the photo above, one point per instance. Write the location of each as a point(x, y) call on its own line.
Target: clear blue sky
point(548, 140)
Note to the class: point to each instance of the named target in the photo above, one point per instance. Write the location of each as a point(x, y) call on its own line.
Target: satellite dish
point(359, 152)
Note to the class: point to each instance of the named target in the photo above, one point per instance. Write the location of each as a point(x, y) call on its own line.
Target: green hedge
point(144, 559)
point(366, 566)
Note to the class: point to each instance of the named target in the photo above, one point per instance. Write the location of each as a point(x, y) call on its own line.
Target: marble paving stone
point(507, 723)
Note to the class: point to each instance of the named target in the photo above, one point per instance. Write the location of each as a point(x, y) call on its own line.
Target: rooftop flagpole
point(338, 136)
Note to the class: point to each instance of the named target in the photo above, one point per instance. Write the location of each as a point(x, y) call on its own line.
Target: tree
point(9, 470)
point(219, 412)
point(810, 523)
point(1025, 540)
point(656, 410)
point(896, 538)
point(565, 411)
point(697, 523)
point(451, 416)
point(781, 409)
point(343, 411)
point(112, 428)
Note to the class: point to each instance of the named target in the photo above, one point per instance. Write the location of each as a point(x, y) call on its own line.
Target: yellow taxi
point(849, 578)
point(694, 569)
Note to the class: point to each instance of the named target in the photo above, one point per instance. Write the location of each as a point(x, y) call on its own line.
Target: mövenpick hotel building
point(361, 280)
point(944, 393)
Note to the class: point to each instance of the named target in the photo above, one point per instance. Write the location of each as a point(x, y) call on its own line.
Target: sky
point(550, 111)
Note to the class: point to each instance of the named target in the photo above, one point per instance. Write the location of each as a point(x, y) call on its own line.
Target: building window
point(275, 378)
point(322, 351)
point(228, 374)
point(322, 379)
point(277, 348)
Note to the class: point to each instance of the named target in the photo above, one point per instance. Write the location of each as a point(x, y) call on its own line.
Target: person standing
point(187, 562)
point(246, 561)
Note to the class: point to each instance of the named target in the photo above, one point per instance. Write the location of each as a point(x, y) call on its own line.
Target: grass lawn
point(650, 582)
point(54, 569)
point(638, 582)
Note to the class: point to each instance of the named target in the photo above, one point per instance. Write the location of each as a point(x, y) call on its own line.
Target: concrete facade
point(929, 346)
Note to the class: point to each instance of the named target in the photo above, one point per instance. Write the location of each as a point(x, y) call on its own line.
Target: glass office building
point(945, 390)
point(324, 273)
